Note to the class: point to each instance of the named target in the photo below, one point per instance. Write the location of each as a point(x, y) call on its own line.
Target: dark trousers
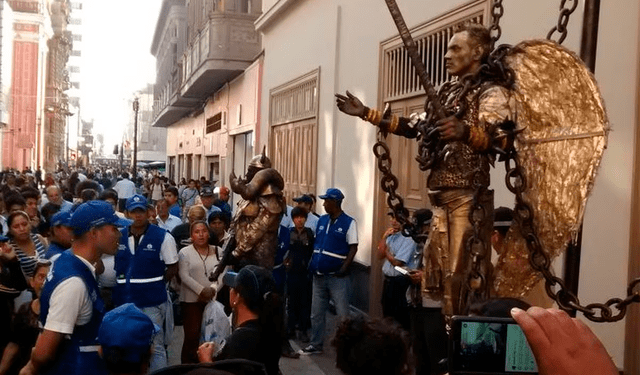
point(394, 299)
point(299, 287)
point(429, 338)
point(192, 314)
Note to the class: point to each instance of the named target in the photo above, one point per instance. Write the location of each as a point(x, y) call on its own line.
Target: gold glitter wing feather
point(560, 149)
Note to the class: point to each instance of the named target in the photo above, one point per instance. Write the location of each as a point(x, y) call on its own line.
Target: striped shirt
point(27, 262)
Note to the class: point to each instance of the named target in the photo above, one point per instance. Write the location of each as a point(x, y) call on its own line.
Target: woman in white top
point(196, 264)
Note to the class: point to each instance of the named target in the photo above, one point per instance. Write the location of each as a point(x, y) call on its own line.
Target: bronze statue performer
point(254, 229)
point(480, 118)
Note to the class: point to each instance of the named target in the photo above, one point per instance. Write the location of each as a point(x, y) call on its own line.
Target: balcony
point(25, 6)
point(221, 51)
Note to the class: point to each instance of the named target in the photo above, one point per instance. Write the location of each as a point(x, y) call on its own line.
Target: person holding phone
point(397, 251)
point(563, 345)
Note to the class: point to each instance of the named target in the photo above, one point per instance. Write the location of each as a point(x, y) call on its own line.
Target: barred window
point(399, 79)
point(214, 123)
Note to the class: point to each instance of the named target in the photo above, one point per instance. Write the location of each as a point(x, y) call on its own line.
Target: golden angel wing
point(565, 135)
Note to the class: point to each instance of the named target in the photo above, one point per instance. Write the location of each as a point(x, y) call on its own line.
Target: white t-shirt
point(125, 189)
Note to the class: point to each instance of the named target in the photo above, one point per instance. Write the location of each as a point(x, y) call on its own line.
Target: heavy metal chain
point(497, 11)
point(563, 20)
point(540, 261)
point(476, 246)
point(389, 184)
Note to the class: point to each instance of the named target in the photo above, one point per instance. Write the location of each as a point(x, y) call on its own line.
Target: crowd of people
point(147, 261)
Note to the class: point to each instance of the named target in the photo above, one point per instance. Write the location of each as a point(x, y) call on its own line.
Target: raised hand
point(350, 104)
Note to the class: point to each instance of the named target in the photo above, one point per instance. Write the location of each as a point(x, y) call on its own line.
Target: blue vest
point(140, 277)
point(330, 249)
point(78, 354)
point(54, 249)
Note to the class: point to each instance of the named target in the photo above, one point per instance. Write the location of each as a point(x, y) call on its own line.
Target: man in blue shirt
point(334, 248)
point(397, 251)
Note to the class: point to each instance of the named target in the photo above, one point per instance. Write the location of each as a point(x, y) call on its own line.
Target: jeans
point(158, 315)
point(325, 288)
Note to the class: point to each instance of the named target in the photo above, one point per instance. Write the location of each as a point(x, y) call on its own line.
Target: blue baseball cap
point(3, 238)
point(93, 214)
point(137, 201)
point(126, 327)
point(333, 193)
point(61, 218)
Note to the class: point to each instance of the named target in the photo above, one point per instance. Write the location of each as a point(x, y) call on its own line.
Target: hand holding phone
point(401, 270)
point(563, 345)
point(486, 345)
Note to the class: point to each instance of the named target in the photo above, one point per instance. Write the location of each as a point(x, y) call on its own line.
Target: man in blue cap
point(71, 308)
point(125, 337)
point(145, 261)
point(61, 235)
point(333, 252)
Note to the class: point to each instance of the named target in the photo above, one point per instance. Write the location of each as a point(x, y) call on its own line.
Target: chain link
point(540, 261)
point(497, 11)
point(563, 20)
point(389, 184)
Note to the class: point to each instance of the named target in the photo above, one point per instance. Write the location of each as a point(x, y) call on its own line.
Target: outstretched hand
point(350, 104)
point(563, 345)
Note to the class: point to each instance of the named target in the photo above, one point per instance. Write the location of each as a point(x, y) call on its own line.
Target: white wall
point(342, 37)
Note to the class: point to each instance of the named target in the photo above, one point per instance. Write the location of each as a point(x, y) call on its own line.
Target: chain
point(497, 11)
point(555, 286)
point(389, 184)
point(563, 20)
point(476, 246)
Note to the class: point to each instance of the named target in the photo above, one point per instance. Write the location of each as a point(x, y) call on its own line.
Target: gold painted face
point(462, 55)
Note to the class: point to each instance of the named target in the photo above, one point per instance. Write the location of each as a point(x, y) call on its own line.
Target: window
point(75, 53)
point(75, 21)
point(399, 79)
point(294, 133)
point(214, 123)
point(76, 37)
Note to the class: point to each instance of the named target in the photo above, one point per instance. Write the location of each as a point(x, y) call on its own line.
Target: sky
point(116, 61)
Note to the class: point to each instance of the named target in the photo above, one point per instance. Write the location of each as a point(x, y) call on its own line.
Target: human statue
point(254, 228)
point(479, 118)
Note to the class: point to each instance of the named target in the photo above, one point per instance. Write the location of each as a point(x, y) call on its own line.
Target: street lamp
point(134, 173)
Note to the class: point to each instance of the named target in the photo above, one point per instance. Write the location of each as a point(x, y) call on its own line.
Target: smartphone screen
point(481, 345)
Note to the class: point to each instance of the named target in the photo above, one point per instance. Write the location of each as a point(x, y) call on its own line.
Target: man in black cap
point(207, 198)
point(305, 201)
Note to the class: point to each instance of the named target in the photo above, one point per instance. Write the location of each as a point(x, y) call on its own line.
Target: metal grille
point(401, 80)
point(295, 103)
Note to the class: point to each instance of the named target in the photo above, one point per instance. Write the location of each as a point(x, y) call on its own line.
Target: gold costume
point(452, 183)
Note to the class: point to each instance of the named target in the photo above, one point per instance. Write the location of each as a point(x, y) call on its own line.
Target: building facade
point(202, 48)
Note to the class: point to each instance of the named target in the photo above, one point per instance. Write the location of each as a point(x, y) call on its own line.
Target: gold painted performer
point(480, 116)
point(254, 229)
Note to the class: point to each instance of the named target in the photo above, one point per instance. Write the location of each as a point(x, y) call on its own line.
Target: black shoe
point(290, 353)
